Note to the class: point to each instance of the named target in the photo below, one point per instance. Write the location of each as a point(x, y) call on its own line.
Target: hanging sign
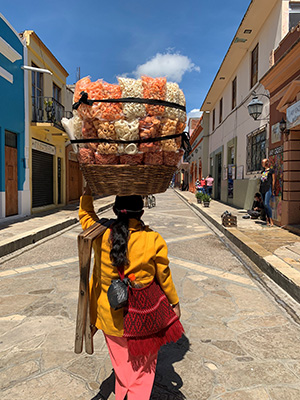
point(44, 147)
point(275, 133)
point(293, 115)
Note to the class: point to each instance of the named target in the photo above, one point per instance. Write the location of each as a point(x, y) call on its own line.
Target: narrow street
point(239, 344)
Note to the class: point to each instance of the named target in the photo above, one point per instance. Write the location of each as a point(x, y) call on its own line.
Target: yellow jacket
point(148, 257)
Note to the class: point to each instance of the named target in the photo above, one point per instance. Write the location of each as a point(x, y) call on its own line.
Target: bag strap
point(121, 273)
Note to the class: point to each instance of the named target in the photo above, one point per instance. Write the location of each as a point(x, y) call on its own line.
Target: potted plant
point(206, 200)
point(199, 196)
point(49, 108)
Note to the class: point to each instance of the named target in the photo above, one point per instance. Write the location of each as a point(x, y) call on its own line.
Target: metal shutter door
point(42, 178)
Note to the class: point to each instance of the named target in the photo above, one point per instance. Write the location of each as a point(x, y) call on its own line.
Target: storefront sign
point(275, 133)
point(293, 115)
point(44, 147)
point(277, 150)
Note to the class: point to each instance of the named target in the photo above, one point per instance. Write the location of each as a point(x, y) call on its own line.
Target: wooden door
point(74, 174)
point(11, 181)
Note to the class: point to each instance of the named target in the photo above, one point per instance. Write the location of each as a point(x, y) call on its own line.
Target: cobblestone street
point(238, 344)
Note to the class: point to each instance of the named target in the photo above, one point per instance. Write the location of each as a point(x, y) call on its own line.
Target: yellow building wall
point(46, 132)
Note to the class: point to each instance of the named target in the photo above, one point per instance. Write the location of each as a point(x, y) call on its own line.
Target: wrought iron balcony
point(48, 110)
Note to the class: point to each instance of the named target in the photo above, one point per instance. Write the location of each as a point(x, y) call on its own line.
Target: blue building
point(14, 187)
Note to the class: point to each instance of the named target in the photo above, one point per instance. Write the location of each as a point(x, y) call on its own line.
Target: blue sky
point(185, 39)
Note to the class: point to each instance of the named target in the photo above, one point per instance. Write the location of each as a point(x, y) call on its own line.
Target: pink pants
point(137, 384)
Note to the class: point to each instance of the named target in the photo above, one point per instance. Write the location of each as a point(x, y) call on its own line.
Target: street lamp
point(255, 106)
point(282, 126)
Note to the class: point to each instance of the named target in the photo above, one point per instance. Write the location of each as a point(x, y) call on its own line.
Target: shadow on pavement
point(167, 383)
point(107, 387)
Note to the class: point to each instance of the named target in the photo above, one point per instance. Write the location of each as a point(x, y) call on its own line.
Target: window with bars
point(254, 66)
point(233, 103)
point(256, 150)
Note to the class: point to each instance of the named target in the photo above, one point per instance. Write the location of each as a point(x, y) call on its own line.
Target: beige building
point(46, 106)
point(237, 142)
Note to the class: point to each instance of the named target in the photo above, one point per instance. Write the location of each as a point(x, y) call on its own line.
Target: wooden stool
point(229, 221)
point(85, 242)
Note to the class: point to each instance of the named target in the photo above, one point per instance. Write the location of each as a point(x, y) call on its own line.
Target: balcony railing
point(47, 109)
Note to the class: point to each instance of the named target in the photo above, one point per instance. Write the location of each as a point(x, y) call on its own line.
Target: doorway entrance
point(219, 176)
point(11, 174)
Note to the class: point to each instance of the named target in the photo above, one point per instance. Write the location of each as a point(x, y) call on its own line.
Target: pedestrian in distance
point(267, 188)
point(209, 184)
point(130, 249)
point(203, 185)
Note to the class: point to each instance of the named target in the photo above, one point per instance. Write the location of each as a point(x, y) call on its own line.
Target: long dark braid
point(126, 207)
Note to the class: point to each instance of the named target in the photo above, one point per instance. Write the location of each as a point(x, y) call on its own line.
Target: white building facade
point(236, 142)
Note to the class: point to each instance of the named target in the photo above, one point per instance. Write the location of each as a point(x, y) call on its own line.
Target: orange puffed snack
point(89, 132)
point(106, 111)
point(86, 156)
point(149, 147)
point(81, 86)
point(180, 127)
point(106, 159)
point(154, 88)
point(149, 127)
point(132, 159)
point(154, 158)
point(172, 158)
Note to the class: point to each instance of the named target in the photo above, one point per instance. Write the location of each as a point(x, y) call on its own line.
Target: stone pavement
point(18, 232)
point(275, 250)
point(238, 344)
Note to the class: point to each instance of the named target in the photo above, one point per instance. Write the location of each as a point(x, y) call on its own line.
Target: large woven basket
point(127, 180)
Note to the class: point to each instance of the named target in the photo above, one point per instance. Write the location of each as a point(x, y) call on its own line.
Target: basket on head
point(127, 180)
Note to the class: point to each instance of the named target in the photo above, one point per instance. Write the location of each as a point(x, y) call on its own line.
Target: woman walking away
point(267, 188)
point(130, 249)
point(209, 184)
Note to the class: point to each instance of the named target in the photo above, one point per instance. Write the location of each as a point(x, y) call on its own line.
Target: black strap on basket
point(185, 140)
point(85, 100)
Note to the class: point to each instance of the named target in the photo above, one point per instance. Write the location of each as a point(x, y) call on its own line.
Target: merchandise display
point(137, 122)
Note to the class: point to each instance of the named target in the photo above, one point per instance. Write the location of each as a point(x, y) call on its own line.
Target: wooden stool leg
point(85, 240)
point(89, 345)
point(85, 250)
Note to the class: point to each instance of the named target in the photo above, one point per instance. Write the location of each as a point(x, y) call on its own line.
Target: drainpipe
point(26, 203)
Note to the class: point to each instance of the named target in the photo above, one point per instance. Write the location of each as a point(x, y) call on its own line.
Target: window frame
point(252, 161)
point(57, 89)
point(233, 93)
point(254, 66)
point(292, 11)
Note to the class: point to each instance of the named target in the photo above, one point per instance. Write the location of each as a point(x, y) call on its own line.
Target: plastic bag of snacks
point(143, 113)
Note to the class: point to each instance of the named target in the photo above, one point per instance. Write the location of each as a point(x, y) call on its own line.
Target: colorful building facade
point(283, 83)
point(14, 169)
point(237, 142)
point(47, 138)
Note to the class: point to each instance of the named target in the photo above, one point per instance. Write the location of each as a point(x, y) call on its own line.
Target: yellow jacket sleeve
point(163, 272)
point(87, 215)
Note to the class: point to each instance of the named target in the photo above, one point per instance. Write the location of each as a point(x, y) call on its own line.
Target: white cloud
point(173, 66)
point(195, 110)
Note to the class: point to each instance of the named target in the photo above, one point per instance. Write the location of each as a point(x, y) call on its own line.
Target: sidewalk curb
point(282, 280)
point(32, 237)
